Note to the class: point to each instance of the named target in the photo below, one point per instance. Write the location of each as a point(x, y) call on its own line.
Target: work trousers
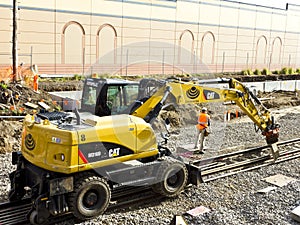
point(200, 138)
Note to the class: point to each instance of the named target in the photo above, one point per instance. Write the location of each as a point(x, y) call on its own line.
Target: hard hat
point(204, 109)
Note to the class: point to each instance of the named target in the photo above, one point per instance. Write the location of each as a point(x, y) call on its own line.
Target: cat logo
point(113, 152)
point(210, 95)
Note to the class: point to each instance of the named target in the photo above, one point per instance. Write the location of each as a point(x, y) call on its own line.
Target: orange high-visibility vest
point(203, 121)
point(35, 82)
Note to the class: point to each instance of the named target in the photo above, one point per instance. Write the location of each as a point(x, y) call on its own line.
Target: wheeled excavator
point(72, 162)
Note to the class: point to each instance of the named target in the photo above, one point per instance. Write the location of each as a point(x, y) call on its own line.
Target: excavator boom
point(195, 92)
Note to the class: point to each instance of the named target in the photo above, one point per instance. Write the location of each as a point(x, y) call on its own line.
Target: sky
point(271, 3)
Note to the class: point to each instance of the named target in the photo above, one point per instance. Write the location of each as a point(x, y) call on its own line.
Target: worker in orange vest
point(202, 130)
point(36, 83)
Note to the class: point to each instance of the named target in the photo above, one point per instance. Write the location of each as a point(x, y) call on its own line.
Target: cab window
point(120, 98)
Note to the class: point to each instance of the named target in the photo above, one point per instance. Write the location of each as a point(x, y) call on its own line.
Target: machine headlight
point(60, 156)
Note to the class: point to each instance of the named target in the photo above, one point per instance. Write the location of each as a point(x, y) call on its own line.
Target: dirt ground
point(280, 99)
point(10, 131)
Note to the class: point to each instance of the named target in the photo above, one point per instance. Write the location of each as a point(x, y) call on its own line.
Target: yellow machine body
point(97, 142)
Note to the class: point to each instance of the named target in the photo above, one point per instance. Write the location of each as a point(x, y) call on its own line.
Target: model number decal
point(94, 154)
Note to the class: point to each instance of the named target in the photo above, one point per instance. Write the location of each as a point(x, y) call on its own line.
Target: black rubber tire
point(172, 178)
point(90, 197)
point(33, 218)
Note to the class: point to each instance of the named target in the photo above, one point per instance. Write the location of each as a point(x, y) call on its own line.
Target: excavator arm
point(193, 92)
point(256, 111)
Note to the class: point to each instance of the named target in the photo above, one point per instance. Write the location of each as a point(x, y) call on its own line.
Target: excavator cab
point(105, 97)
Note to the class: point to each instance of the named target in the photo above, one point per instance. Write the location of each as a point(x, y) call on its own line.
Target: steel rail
point(12, 117)
point(251, 165)
point(269, 163)
point(13, 213)
point(249, 150)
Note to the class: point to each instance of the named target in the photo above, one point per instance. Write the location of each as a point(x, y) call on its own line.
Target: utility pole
point(14, 41)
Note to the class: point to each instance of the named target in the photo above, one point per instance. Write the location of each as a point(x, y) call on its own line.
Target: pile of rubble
point(19, 100)
point(16, 101)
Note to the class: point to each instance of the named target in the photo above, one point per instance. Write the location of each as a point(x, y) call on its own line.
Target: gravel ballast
point(232, 200)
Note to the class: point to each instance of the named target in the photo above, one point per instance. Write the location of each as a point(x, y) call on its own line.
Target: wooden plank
point(31, 105)
point(44, 105)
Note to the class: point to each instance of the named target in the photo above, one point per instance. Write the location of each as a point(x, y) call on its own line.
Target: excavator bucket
point(272, 136)
point(272, 139)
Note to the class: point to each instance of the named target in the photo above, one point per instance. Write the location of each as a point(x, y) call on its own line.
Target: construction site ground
point(182, 117)
point(233, 200)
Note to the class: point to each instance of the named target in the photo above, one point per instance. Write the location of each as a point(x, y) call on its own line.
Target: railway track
point(14, 213)
point(249, 159)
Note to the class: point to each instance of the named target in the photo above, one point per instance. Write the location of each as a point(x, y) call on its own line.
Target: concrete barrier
point(265, 86)
point(297, 85)
point(270, 86)
point(288, 85)
point(255, 86)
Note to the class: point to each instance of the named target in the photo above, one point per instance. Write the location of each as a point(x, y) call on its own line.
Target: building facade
point(150, 36)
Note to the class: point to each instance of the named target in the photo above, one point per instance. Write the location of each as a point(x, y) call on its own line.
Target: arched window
point(261, 51)
point(72, 43)
point(106, 44)
point(275, 58)
point(186, 47)
point(207, 51)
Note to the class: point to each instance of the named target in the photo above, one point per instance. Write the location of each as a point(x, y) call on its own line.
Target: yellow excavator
point(71, 162)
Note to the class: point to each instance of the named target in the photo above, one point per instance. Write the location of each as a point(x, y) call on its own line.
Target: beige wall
point(105, 36)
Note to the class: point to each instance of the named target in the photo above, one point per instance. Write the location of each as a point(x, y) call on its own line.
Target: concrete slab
point(198, 211)
point(266, 190)
point(279, 180)
point(295, 214)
